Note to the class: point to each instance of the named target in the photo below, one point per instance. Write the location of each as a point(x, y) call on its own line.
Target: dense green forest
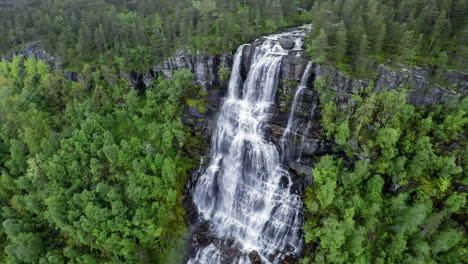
point(94, 171)
point(354, 35)
point(136, 34)
point(393, 190)
point(91, 172)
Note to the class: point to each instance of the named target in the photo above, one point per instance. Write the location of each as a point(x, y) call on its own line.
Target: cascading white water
point(291, 127)
point(244, 191)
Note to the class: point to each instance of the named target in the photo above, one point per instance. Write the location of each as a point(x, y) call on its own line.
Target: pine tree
point(318, 47)
point(437, 32)
point(375, 27)
point(362, 61)
point(85, 42)
point(406, 47)
point(100, 39)
point(276, 11)
point(341, 42)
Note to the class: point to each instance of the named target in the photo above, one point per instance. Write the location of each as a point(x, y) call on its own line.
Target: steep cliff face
point(306, 141)
point(205, 68)
point(306, 137)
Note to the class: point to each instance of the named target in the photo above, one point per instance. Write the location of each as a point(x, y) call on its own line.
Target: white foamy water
point(244, 192)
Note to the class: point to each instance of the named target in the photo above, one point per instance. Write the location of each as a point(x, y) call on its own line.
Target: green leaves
point(318, 47)
point(393, 199)
point(361, 34)
point(25, 247)
point(342, 133)
point(99, 181)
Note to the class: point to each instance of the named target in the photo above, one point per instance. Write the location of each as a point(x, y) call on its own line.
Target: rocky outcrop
point(37, 51)
point(203, 66)
point(416, 81)
point(205, 69)
point(254, 257)
point(286, 42)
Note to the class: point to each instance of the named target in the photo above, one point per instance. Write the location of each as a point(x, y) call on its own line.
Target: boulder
point(254, 257)
point(300, 169)
point(289, 259)
point(286, 43)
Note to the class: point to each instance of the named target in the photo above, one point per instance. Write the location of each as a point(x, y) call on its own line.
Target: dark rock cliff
point(203, 66)
point(307, 137)
point(205, 69)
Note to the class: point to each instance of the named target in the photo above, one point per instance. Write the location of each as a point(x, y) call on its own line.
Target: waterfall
point(244, 191)
point(292, 125)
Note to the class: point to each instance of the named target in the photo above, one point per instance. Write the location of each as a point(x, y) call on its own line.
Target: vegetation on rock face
point(91, 172)
point(354, 35)
point(391, 192)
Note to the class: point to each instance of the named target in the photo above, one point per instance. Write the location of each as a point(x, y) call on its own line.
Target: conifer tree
point(341, 42)
point(319, 47)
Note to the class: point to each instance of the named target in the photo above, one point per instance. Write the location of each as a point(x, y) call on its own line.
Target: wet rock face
point(202, 237)
point(205, 69)
point(204, 66)
point(289, 259)
point(286, 43)
point(247, 54)
point(417, 81)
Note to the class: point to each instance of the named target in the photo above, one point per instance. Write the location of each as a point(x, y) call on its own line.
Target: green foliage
point(431, 35)
point(197, 98)
point(135, 35)
point(394, 198)
point(342, 133)
point(224, 72)
point(90, 172)
point(318, 48)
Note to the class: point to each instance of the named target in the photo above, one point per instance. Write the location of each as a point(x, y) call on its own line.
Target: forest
point(355, 35)
point(91, 172)
point(94, 171)
point(137, 34)
point(393, 191)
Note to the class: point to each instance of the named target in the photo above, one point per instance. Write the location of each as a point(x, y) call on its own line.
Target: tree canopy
point(354, 35)
point(90, 172)
point(390, 193)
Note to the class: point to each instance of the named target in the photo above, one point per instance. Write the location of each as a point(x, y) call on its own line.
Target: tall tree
point(319, 47)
